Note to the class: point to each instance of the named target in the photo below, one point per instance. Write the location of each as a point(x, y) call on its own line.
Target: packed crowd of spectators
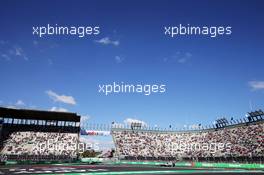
point(232, 141)
point(41, 144)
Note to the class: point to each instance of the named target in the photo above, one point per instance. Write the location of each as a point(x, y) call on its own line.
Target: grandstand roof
point(38, 115)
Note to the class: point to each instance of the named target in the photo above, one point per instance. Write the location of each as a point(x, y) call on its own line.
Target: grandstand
point(49, 142)
point(45, 135)
point(242, 141)
point(39, 135)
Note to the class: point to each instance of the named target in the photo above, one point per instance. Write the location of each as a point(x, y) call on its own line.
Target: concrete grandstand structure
point(243, 141)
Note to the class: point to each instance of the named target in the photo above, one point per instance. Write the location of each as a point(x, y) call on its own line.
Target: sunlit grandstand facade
point(242, 141)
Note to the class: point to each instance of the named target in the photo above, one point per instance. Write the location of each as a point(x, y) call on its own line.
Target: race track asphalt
point(84, 169)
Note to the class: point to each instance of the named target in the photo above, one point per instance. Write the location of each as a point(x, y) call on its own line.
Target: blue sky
point(205, 77)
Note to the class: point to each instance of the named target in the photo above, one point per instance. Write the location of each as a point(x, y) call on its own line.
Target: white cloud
point(116, 43)
point(194, 126)
point(18, 51)
point(61, 98)
point(58, 109)
point(180, 57)
point(20, 103)
point(119, 59)
point(182, 60)
point(256, 85)
point(12, 107)
point(107, 41)
point(10, 51)
point(184, 57)
point(6, 57)
point(129, 121)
